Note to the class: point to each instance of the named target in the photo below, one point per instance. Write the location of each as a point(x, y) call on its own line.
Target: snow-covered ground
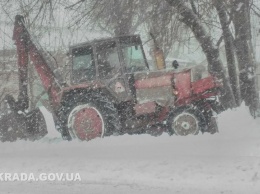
point(228, 162)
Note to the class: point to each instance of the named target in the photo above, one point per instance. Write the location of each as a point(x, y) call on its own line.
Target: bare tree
point(164, 24)
point(246, 58)
point(115, 17)
point(225, 21)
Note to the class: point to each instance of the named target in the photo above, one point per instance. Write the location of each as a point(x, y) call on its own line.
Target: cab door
point(110, 70)
point(133, 60)
point(83, 66)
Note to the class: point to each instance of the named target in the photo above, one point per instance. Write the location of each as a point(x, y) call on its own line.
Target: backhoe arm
point(26, 47)
point(18, 124)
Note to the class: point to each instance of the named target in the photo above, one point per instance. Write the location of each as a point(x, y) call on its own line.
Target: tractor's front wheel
point(93, 117)
point(185, 121)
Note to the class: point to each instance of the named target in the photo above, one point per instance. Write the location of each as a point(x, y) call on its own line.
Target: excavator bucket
point(16, 125)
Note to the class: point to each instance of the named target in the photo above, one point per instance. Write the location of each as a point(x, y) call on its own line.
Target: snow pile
point(227, 162)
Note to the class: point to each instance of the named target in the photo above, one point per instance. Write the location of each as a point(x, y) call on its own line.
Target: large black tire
point(185, 120)
point(105, 108)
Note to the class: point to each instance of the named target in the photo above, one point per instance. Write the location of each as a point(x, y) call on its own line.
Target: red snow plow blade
point(16, 125)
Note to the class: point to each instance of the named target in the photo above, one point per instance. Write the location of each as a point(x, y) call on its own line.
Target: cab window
point(108, 60)
point(134, 58)
point(83, 68)
point(133, 54)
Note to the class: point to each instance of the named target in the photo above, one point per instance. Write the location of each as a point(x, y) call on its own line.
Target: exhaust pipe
point(158, 54)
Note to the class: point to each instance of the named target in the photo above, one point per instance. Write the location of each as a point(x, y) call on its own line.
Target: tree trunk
point(124, 17)
point(243, 41)
point(230, 50)
point(211, 51)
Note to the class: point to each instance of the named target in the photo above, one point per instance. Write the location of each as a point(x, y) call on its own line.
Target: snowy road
point(228, 162)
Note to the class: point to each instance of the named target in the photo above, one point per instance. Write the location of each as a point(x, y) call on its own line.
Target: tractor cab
point(106, 59)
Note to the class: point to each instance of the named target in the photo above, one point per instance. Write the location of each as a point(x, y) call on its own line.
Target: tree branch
point(78, 2)
point(193, 6)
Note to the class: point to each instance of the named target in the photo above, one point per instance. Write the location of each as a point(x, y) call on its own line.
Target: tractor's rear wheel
point(92, 117)
point(185, 121)
point(86, 122)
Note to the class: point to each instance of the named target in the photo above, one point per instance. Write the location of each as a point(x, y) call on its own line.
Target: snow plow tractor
point(111, 92)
